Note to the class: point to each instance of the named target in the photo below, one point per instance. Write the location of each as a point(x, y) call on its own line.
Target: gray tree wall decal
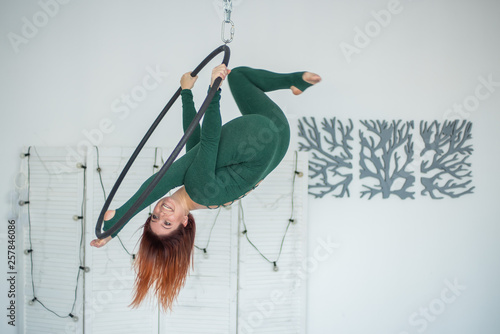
point(331, 161)
point(382, 148)
point(386, 156)
point(447, 172)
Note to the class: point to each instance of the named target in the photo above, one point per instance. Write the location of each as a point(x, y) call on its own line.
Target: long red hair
point(162, 263)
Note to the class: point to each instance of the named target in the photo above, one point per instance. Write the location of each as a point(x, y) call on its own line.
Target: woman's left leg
point(249, 87)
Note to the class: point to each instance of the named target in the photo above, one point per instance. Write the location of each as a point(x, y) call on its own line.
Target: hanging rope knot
point(228, 8)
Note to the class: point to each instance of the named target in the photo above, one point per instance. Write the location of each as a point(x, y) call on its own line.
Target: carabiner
point(223, 32)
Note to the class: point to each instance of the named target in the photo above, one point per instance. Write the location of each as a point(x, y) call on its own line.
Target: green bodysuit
point(223, 163)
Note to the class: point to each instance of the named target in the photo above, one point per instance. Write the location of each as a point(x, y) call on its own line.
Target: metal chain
point(228, 8)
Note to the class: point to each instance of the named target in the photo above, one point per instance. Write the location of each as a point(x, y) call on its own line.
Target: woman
point(221, 164)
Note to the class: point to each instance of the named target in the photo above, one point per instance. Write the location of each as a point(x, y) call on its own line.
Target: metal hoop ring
point(189, 131)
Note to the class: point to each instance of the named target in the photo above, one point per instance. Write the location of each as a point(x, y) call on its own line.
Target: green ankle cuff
point(299, 82)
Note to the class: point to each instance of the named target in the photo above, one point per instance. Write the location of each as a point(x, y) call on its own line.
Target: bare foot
point(98, 243)
point(308, 77)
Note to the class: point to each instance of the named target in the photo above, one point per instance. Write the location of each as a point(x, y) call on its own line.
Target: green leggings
point(248, 87)
point(250, 146)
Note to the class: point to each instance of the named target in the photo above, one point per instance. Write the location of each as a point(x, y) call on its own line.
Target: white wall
point(394, 255)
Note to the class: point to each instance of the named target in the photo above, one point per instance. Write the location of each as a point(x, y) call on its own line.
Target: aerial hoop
point(189, 131)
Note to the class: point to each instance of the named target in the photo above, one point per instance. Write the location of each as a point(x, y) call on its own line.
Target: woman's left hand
point(220, 71)
point(187, 81)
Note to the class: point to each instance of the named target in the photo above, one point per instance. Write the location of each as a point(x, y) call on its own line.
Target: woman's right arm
point(174, 177)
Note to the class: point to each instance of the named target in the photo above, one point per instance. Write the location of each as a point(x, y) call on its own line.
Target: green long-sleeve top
point(221, 164)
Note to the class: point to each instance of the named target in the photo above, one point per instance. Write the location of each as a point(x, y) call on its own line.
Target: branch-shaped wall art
point(386, 161)
point(446, 171)
point(330, 164)
point(386, 152)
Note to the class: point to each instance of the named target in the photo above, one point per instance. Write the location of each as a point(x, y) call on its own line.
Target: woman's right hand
point(187, 81)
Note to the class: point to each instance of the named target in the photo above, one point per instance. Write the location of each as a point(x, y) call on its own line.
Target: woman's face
point(167, 215)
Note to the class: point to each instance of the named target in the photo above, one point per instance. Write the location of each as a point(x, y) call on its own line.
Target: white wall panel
point(55, 197)
point(110, 282)
point(214, 299)
point(207, 304)
point(274, 301)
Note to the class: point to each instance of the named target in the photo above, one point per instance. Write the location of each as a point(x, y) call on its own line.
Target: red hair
point(163, 262)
